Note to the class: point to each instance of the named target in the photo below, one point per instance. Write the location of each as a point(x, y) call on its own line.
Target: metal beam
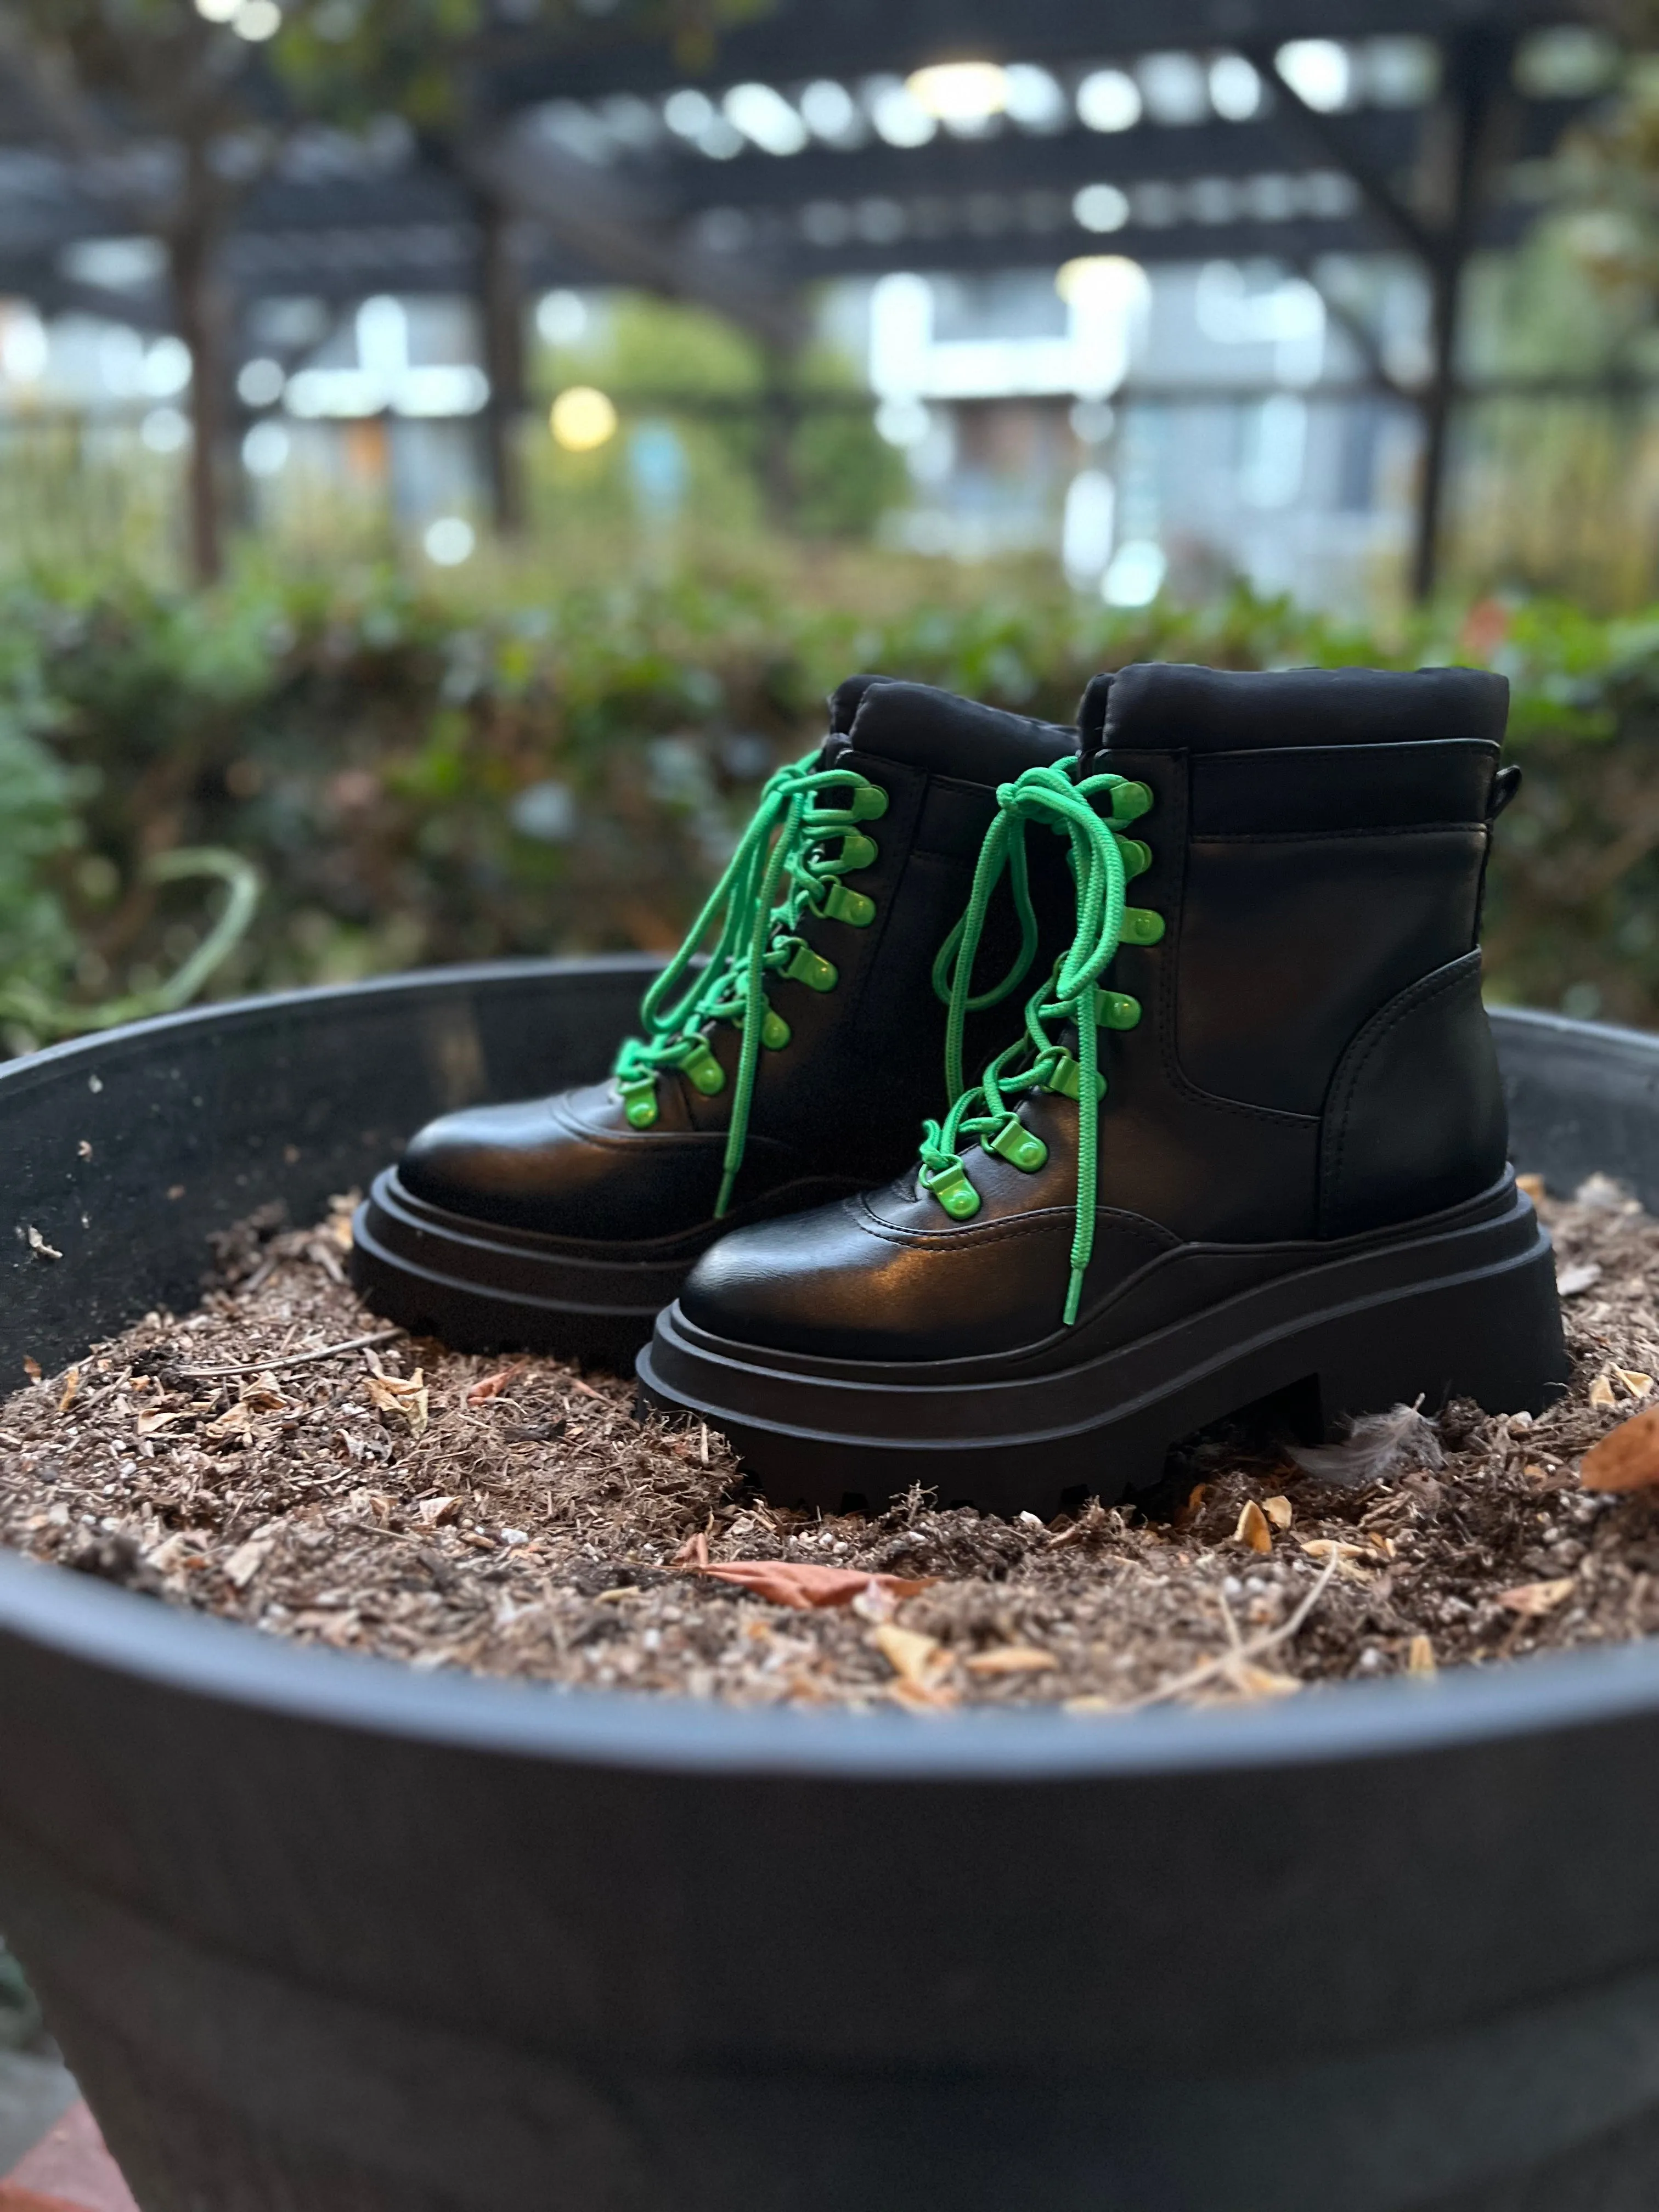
point(608, 221)
point(802, 39)
point(1013, 163)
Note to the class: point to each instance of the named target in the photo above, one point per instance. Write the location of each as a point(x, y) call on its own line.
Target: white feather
point(1375, 1447)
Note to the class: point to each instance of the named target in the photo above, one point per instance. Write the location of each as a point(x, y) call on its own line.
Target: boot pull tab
point(1505, 785)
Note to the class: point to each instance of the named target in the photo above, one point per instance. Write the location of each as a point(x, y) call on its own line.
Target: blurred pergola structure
point(1297, 130)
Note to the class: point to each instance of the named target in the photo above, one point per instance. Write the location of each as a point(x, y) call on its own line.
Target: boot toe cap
point(496, 1163)
point(832, 1283)
point(568, 1166)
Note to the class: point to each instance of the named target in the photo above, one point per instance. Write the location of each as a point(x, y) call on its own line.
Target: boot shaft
point(1313, 1057)
point(865, 1060)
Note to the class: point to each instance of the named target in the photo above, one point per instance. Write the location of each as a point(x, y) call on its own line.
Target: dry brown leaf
point(1634, 1381)
point(1011, 1659)
point(179, 1549)
point(32, 1368)
point(1627, 1457)
point(1252, 1527)
point(692, 1552)
point(1280, 1511)
point(436, 1512)
point(151, 1424)
point(1346, 1556)
point(1261, 1681)
point(1573, 1280)
point(1195, 1497)
point(1419, 1656)
point(1533, 1185)
point(492, 1386)
point(71, 1384)
point(787, 1581)
point(919, 1661)
point(1533, 1599)
point(1600, 1392)
point(394, 1394)
point(237, 1422)
point(246, 1561)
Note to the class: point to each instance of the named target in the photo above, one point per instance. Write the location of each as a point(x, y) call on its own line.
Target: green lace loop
point(788, 864)
point(984, 1112)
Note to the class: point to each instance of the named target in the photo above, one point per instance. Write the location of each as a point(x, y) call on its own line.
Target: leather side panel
point(1289, 945)
point(1415, 1120)
point(1430, 784)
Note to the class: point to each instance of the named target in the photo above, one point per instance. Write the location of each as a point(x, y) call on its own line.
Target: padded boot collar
point(938, 734)
point(1158, 705)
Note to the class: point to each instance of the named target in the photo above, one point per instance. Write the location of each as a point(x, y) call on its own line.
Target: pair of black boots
point(1248, 1141)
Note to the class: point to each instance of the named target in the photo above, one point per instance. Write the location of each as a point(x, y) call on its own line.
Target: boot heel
point(1493, 1335)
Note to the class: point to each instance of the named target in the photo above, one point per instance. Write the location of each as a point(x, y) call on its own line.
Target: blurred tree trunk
point(501, 301)
point(780, 420)
point(194, 240)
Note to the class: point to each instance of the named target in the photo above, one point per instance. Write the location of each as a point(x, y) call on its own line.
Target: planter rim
point(228, 1662)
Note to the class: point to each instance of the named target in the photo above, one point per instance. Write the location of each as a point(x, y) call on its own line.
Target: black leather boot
point(795, 1066)
point(1254, 1138)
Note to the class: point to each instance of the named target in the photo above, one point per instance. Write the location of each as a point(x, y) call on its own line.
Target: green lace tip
point(1073, 1299)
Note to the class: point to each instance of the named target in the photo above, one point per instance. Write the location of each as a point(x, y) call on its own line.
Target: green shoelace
point(1102, 861)
point(788, 864)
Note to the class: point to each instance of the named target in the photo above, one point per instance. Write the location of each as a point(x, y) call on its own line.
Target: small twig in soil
point(295, 1358)
point(1195, 1677)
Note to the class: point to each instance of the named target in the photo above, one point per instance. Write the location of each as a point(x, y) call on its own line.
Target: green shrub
point(422, 777)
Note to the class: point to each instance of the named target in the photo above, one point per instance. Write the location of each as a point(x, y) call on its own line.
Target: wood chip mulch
point(511, 1517)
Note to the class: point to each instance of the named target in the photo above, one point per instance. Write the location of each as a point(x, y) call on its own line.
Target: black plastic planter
point(322, 1936)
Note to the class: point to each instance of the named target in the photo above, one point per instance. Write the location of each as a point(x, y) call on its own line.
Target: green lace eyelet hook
point(639, 1101)
point(1021, 1147)
point(954, 1192)
point(856, 908)
point(703, 1072)
point(1064, 1076)
point(805, 966)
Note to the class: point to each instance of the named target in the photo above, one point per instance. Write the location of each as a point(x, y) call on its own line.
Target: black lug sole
point(480, 1286)
point(1432, 1312)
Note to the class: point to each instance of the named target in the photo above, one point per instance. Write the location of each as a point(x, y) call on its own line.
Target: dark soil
point(377, 1500)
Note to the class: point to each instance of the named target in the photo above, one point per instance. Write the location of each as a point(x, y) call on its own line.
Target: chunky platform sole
point(1447, 1308)
point(479, 1286)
